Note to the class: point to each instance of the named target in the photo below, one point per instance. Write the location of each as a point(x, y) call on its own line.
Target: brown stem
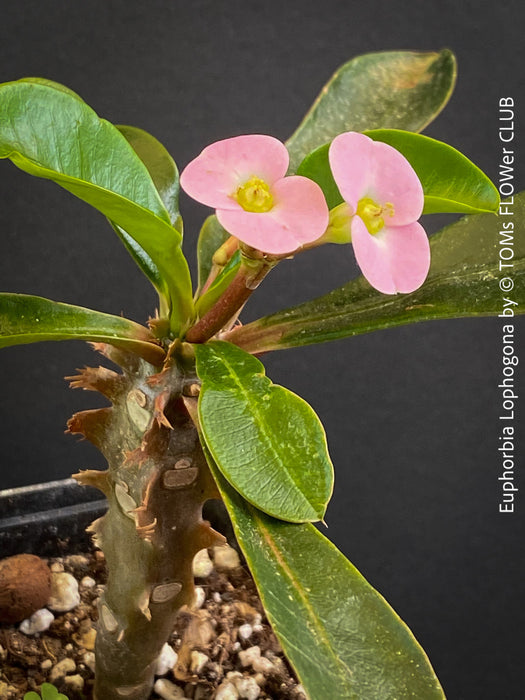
point(247, 279)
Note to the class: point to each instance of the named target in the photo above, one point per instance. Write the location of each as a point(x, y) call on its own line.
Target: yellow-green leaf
point(29, 319)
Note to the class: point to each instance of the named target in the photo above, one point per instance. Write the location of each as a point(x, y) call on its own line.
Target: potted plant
point(193, 416)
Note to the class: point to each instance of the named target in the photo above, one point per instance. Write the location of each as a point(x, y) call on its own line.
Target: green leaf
point(165, 176)
point(267, 441)
point(340, 635)
point(316, 166)
point(50, 132)
point(29, 319)
point(463, 281)
point(148, 267)
point(161, 168)
point(451, 182)
point(387, 90)
point(49, 692)
point(211, 237)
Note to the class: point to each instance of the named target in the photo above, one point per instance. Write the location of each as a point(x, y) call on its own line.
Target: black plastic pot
point(48, 519)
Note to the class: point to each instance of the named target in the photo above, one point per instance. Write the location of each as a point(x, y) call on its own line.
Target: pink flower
point(243, 178)
point(385, 198)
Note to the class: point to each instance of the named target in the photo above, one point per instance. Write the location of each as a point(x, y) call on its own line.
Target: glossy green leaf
point(51, 133)
point(147, 266)
point(463, 281)
point(267, 441)
point(165, 176)
point(340, 635)
point(211, 237)
point(219, 285)
point(316, 166)
point(161, 167)
point(29, 319)
point(451, 182)
point(387, 90)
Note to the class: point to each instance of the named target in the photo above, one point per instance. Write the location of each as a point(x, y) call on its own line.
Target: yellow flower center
point(254, 196)
point(373, 214)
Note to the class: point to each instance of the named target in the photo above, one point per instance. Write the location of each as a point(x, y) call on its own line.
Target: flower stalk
point(251, 273)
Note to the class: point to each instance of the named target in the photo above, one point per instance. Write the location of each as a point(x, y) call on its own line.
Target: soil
point(230, 610)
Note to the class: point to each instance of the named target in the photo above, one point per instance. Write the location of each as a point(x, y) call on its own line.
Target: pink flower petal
point(397, 259)
point(222, 167)
point(299, 216)
point(365, 168)
point(395, 181)
point(351, 157)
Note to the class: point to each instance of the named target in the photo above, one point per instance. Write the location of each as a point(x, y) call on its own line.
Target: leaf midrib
point(343, 671)
point(263, 431)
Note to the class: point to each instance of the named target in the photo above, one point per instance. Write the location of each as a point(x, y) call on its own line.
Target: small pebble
point(248, 656)
point(89, 659)
point(166, 660)
point(88, 582)
point(5, 689)
point(86, 635)
point(217, 597)
point(245, 631)
point(200, 597)
point(46, 664)
point(74, 683)
point(202, 564)
point(168, 690)
point(64, 592)
point(198, 661)
point(78, 561)
point(61, 669)
point(57, 567)
point(226, 557)
point(252, 657)
point(40, 621)
point(226, 691)
point(264, 665)
point(247, 688)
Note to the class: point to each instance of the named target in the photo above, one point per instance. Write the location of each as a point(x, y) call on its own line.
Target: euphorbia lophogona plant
point(193, 416)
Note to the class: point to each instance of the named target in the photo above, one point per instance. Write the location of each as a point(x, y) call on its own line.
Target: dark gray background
point(412, 413)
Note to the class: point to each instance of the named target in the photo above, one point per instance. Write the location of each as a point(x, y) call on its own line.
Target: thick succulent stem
point(156, 484)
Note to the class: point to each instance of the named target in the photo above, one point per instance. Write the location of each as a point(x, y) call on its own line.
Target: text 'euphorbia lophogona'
point(385, 198)
point(243, 179)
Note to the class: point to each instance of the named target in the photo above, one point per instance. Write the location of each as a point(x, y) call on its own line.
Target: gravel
point(221, 649)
